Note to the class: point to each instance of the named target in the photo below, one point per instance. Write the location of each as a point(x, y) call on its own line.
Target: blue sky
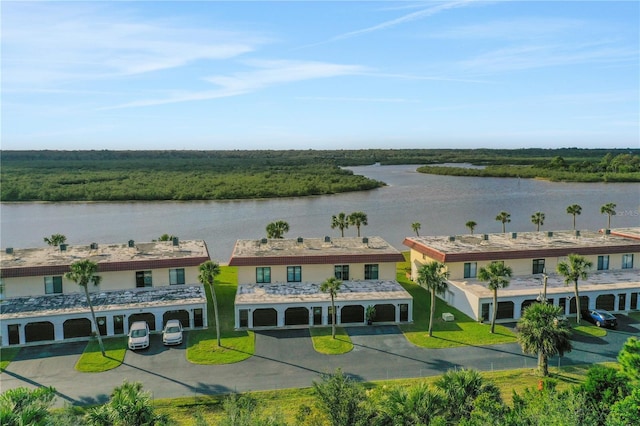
point(320, 75)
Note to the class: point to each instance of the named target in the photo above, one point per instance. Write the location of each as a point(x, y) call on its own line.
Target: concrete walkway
point(283, 359)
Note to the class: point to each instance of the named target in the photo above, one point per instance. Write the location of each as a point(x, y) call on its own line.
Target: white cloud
point(264, 74)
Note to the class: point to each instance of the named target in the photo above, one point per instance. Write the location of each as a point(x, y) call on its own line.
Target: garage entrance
point(351, 314)
point(182, 316)
point(505, 310)
point(265, 318)
point(385, 313)
point(148, 317)
point(78, 327)
point(296, 316)
point(584, 304)
point(604, 301)
point(38, 331)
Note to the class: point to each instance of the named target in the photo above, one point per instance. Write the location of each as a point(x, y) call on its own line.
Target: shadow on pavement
point(373, 330)
point(50, 350)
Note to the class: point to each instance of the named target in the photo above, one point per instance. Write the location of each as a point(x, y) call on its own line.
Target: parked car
point(172, 333)
point(600, 318)
point(139, 335)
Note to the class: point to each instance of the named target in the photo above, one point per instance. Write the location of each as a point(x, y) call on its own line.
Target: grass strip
point(589, 330)
point(446, 334)
point(235, 346)
point(92, 361)
point(325, 344)
point(287, 402)
point(6, 356)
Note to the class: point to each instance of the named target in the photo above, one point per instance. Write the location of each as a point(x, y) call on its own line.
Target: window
point(538, 266)
point(371, 272)
point(143, 279)
point(603, 263)
point(263, 275)
point(341, 272)
point(470, 269)
point(294, 274)
point(52, 285)
point(627, 261)
point(176, 276)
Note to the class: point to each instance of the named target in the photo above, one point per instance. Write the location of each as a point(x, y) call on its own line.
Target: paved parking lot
point(283, 359)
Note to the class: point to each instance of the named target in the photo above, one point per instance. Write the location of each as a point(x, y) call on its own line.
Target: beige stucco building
point(612, 284)
point(154, 282)
point(279, 282)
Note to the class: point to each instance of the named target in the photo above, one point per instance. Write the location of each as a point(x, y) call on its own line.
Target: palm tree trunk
point(95, 323)
point(575, 289)
point(333, 319)
point(495, 311)
point(433, 311)
point(215, 312)
point(543, 364)
point(574, 222)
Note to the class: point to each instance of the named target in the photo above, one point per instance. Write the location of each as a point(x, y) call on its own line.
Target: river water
point(441, 204)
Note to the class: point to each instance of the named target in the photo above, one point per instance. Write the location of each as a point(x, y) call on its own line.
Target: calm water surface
point(442, 204)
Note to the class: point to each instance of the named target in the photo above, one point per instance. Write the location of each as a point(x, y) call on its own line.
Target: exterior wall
point(465, 302)
point(314, 273)
point(120, 280)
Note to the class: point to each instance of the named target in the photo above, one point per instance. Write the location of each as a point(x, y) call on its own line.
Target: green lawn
point(6, 356)
point(202, 345)
point(587, 329)
point(462, 331)
point(325, 344)
point(92, 361)
point(287, 402)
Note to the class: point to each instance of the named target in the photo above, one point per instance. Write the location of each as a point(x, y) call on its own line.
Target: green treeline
point(621, 168)
point(220, 175)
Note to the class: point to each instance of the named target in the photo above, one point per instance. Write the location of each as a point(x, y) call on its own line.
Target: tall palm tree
point(82, 273)
point(358, 219)
point(433, 276)
point(416, 228)
point(332, 286)
point(208, 271)
point(471, 225)
point(341, 221)
point(575, 210)
point(503, 217)
point(610, 210)
point(540, 332)
point(573, 270)
point(537, 219)
point(497, 275)
point(277, 229)
point(55, 240)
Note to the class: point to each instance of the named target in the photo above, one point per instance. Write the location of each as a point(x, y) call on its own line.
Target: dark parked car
point(600, 317)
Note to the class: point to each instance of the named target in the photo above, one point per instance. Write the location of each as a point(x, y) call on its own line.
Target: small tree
point(629, 358)
point(462, 388)
point(166, 237)
point(433, 276)
point(82, 273)
point(340, 398)
point(537, 219)
point(575, 210)
point(55, 240)
point(23, 406)
point(358, 219)
point(541, 333)
point(277, 229)
point(505, 218)
point(574, 269)
point(471, 225)
point(497, 276)
point(610, 210)
point(332, 286)
point(416, 228)
point(209, 270)
point(340, 221)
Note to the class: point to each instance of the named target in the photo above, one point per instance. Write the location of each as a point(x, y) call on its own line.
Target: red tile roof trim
point(315, 260)
point(32, 271)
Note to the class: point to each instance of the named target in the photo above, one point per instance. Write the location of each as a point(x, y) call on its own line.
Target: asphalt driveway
point(283, 359)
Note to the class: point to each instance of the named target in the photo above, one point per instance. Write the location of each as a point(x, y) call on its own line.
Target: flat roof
point(61, 304)
point(109, 257)
point(292, 293)
point(313, 251)
point(510, 245)
point(531, 285)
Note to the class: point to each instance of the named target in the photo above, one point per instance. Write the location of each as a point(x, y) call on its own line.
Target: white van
point(139, 335)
